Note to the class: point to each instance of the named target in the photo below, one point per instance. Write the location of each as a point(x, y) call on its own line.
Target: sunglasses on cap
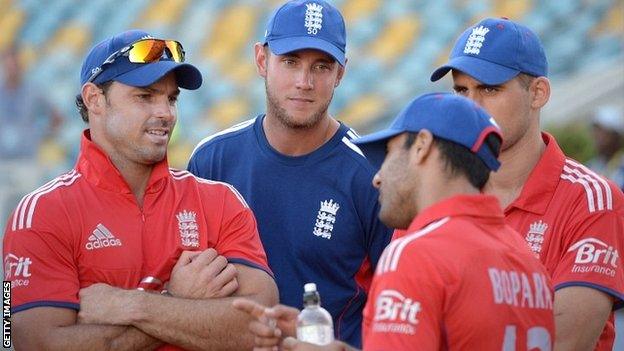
point(144, 51)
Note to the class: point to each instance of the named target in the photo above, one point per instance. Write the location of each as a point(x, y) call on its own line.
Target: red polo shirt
point(86, 227)
point(573, 220)
point(459, 278)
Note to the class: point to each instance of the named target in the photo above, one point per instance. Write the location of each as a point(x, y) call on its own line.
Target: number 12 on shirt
point(537, 338)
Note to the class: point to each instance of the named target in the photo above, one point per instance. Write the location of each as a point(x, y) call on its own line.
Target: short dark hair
point(526, 80)
point(80, 105)
point(460, 160)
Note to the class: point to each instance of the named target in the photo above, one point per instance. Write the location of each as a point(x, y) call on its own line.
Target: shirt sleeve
point(592, 254)
point(239, 240)
point(38, 260)
point(407, 304)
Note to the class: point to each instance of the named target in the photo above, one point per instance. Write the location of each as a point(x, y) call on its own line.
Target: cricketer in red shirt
point(53, 247)
point(79, 249)
point(573, 221)
point(571, 218)
point(459, 279)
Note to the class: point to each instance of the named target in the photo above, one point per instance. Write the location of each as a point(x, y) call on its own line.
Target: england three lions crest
point(475, 40)
point(535, 236)
point(325, 219)
point(189, 231)
point(313, 18)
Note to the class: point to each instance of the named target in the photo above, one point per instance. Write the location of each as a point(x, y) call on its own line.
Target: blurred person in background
point(607, 127)
point(571, 217)
point(123, 252)
point(27, 119)
point(608, 135)
point(307, 183)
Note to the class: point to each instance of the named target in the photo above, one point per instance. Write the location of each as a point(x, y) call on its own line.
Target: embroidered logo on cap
point(313, 18)
point(475, 40)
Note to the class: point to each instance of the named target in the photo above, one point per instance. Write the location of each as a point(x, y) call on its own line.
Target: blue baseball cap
point(134, 74)
point(307, 24)
point(447, 116)
point(494, 51)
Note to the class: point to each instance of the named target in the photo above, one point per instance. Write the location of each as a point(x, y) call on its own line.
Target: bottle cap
point(309, 287)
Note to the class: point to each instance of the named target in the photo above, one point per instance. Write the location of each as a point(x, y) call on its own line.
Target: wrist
point(134, 307)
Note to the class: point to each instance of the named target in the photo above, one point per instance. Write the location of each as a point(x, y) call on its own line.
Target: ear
point(93, 98)
point(422, 147)
point(261, 54)
point(341, 72)
point(540, 90)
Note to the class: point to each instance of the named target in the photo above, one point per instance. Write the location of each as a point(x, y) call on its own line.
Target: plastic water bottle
point(314, 323)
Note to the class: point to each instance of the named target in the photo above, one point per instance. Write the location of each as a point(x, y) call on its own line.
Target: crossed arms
point(197, 316)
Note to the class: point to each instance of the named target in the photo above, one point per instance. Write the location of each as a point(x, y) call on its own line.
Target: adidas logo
point(101, 237)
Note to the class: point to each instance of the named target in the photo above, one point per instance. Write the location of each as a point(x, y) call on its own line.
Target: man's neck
point(136, 176)
point(298, 142)
point(517, 163)
point(442, 187)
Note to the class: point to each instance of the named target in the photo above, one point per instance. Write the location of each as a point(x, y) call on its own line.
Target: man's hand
point(269, 324)
point(292, 344)
point(202, 275)
point(102, 304)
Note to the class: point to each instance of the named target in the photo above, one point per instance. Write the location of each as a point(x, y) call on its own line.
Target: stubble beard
point(394, 214)
point(158, 153)
point(132, 151)
point(287, 120)
point(397, 200)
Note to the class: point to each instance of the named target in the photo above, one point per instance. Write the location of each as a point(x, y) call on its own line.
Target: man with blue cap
point(307, 183)
point(458, 278)
point(123, 252)
point(571, 217)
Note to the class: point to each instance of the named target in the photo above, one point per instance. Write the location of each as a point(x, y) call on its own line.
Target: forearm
point(201, 324)
point(193, 324)
point(134, 339)
point(196, 324)
point(79, 337)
